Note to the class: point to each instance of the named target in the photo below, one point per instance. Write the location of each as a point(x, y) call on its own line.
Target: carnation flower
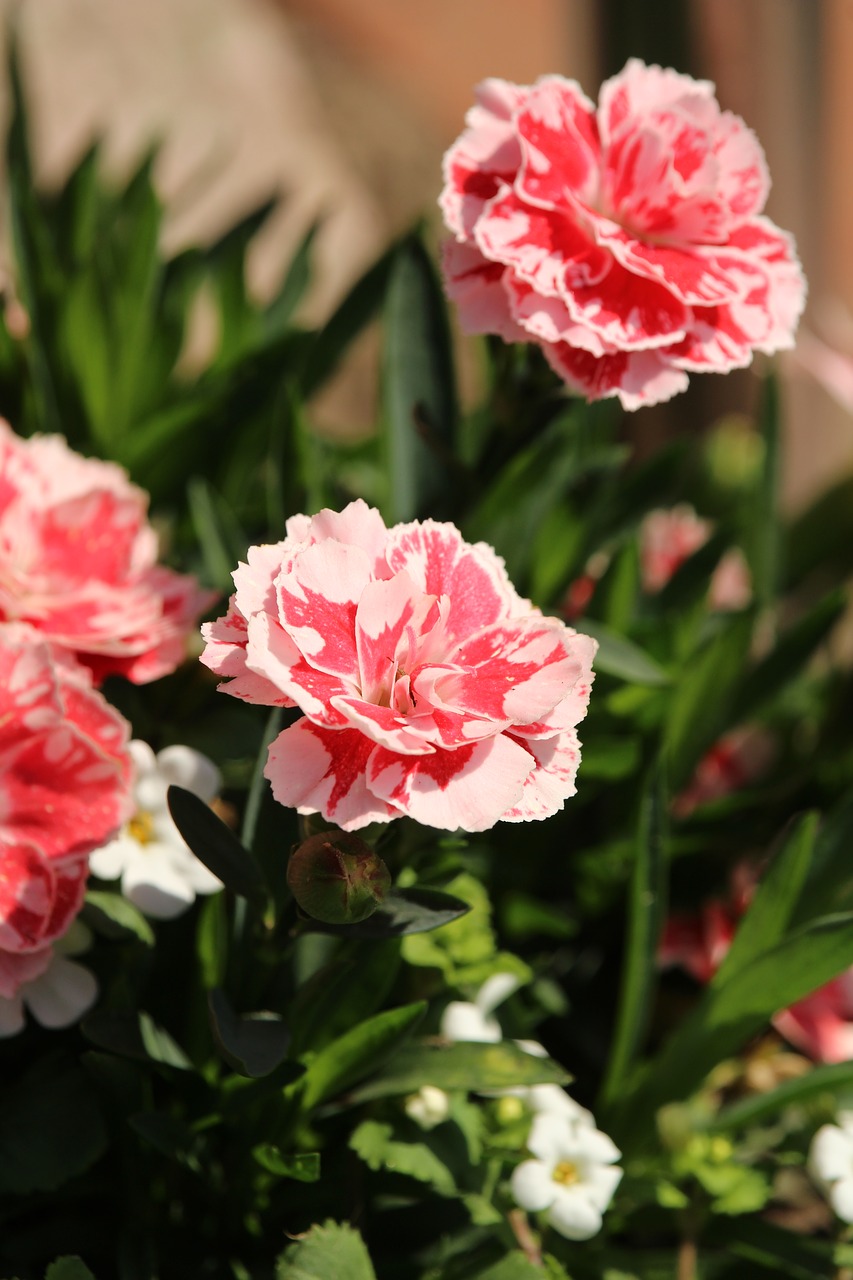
point(821, 1024)
point(64, 786)
point(428, 686)
point(64, 767)
point(627, 240)
point(78, 561)
point(573, 1176)
point(159, 873)
point(668, 538)
point(831, 1163)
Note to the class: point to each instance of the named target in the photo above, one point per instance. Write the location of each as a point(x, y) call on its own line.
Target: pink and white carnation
point(78, 561)
point(626, 239)
point(65, 778)
point(428, 686)
point(668, 537)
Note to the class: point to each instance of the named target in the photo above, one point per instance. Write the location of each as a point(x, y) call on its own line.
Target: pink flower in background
point(669, 537)
point(428, 686)
point(78, 561)
point(821, 1024)
point(64, 788)
point(627, 240)
point(733, 762)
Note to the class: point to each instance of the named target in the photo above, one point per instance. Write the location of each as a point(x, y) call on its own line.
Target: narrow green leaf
point(646, 908)
point(478, 1067)
point(765, 548)
point(770, 911)
point(828, 1078)
point(829, 884)
point(210, 534)
point(333, 1251)
point(359, 1051)
point(351, 987)
point(704, 701)
point(253, 1044)
point(727, 1016)
point(168, 1135)
point(791, 653)
point(358, 308)
point(781, 1252)
point(619, 656)
point(297, 278)
point(302, 1166)
point(134, 1035)
point(691, 580)
point(418, 383)
point(215, 845)
point(115, 917)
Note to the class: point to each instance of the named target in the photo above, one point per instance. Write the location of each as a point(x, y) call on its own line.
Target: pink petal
point(552, 779)
point(471, 788)
point(440, 563)
point(559, 142)
point(317, 770)
point(549, 250)
point(317, 603)
point(629, 312)
point(386, 615)
point(639, 89)
point(273, 657)
point(518, 670)
point(690, 276)
point(225, 653)
point(486, 155)
point(384, 726)
point(637, 377)
point(548, 319)
point(358, 525)
point(476, 286)
point(255, 580)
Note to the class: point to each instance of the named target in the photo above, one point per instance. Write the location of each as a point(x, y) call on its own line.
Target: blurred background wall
point(345, 106)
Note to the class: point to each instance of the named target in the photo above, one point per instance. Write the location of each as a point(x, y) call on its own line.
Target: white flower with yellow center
point(831, 1163)
point(574, 1175)
point(159, 874)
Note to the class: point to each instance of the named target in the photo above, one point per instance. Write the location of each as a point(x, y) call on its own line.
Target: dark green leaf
point(296, 281)
point(302, 1166)
point(765, 540)
point(781, 1252)
point(214, 844)
point(478, 1067)
point(418, 381)
point(705, 699)
point(51, 1128)
point(618, 656)
point(646, 909)
point(374, 1142)
point(771, 909)
point(134, 1035)
point(357, 1052)
point(253, 1044)
point(790, 655)
point(168, 1135)
point(360, 305)
point(115, 917)
point(691, 580)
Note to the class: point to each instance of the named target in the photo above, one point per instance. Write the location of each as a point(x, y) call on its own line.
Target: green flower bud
point(337, 878)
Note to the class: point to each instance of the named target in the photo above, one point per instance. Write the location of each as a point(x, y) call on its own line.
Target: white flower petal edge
point(56, 998)
point(159, 874)
point(831, 1164)
point(574, 1175)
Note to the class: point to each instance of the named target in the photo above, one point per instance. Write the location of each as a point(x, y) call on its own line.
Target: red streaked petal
point(317, 603)
point(317, 770)
point(552, 779)
point(275, 659)
point(559, 142)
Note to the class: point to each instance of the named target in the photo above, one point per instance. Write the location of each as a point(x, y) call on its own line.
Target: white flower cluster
point(573, 1173)
point(831, 1163)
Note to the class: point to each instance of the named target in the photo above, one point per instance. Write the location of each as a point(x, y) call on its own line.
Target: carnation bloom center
point(566, 1173)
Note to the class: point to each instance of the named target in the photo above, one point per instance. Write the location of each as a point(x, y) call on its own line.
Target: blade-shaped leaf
point(619, 656)
point(134, 1035)
point(482, 1067)
point(363, 1049)
point(828, 1078)
point(403, 911)
point(791, 653)
point(214, 844)
point(647, 905)
point(419, 389)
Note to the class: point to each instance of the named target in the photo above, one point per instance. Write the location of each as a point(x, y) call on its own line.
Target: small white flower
point(464, 1020)
point(831, 1163)
point(58, 995)
point(573, 1176)
point(159, 874)
point(428, 1107)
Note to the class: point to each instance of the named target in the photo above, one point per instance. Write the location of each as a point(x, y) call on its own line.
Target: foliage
point(248, 1073)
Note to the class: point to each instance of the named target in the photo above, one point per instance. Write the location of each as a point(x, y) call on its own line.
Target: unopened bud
point(337, 878)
